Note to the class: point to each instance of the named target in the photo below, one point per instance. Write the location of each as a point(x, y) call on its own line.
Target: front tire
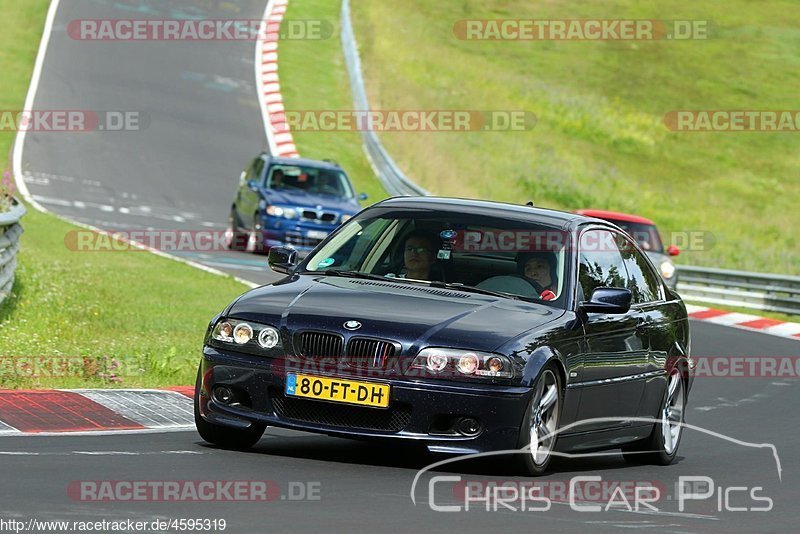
point(236, 240)
point(662, 445)
point(224, 436)
point(539, 431)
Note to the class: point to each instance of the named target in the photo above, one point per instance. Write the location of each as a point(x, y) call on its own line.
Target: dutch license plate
point(338, 390)
point(316, 234)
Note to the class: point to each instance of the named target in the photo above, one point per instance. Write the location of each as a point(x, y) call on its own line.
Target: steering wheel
point(536, 285)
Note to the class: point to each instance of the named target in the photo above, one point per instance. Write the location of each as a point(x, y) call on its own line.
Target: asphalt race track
point(200, 126)
point(179, 173)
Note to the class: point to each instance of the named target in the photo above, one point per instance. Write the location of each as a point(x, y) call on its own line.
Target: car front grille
point(311, 215)
point(369, 353)
point(313, 345)
point(393, 419)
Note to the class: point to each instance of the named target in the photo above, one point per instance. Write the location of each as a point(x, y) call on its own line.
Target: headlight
point(463, 363)
point(245, 336)
point(277, 211)
point(667, 269)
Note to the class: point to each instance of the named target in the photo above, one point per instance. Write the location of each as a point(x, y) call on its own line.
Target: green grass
point(314, 77)
point(600, 140)
point(92, 309)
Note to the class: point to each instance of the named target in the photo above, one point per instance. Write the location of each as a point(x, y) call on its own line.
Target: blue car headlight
point(278, 211)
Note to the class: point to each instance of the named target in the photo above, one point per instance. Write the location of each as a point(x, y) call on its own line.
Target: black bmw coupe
point(465, 326)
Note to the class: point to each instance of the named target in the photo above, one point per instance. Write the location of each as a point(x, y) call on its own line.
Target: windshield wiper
point(456, 286)
point(353, 274)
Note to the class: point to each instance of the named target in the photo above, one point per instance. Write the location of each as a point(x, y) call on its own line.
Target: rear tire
point(539, 431)
point(224, 436)
point(662, 445)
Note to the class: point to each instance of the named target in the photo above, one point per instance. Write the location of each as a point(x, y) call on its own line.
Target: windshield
point(462, 251)
point(309, 179)
point(646, 235)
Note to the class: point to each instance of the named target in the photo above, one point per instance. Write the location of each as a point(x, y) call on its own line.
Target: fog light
point(468, 364)
point(436, 362)
point(469, 426)
point(242, 333)
point(223, 395)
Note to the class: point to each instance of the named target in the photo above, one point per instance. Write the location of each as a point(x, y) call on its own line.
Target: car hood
point(304, 199)
point(413, 314)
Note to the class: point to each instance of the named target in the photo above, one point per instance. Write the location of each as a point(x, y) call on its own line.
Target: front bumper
point(301, 234)
point(421, 411)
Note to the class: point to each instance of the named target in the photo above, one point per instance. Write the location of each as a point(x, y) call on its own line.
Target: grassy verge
point(600, 140)
point(314, 77)
point(92, 319)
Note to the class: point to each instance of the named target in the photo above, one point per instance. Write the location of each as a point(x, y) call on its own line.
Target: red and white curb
point(745, 321)
point(47, 412)
point(279, 137)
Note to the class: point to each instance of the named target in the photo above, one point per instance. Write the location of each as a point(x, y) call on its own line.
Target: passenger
point(541, 268)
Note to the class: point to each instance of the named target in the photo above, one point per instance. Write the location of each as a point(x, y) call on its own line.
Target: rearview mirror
point(252, 185)
point(363, 196)
point(282, 259)
point(614, 300)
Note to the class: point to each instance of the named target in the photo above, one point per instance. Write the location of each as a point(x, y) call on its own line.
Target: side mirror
point(252, 185)
point(614, 300)
point(363, 196)
point(282, 259)
point(672, 250)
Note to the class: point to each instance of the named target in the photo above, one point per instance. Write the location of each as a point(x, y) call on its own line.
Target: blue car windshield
point(522, 259)
point(312, 180)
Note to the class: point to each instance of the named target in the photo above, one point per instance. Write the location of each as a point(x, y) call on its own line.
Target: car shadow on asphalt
point(415, 457)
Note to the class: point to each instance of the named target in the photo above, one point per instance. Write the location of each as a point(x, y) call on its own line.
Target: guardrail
point(10, 230)
point(759, 291)
point(390, 175)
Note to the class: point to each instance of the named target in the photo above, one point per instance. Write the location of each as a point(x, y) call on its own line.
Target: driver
point(419, 255)
point(540, 267)
point(277, 179)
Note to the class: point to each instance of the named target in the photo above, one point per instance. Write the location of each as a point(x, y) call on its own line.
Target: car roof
point(304, 162)
point(490, 208)
point(615, 216)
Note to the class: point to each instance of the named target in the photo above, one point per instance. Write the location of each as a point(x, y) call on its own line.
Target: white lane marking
point(187, 428)
point(33, 88)
point(50, 200)
point(236, 266)
point(96, 453)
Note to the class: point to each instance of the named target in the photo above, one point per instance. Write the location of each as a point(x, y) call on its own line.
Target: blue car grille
point(324, 216)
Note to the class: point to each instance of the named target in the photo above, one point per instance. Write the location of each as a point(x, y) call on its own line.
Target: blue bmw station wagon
point(289, 201)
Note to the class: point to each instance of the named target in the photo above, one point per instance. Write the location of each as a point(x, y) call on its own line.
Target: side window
point(642, 281)
point(247, 175)
point(601, 263)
